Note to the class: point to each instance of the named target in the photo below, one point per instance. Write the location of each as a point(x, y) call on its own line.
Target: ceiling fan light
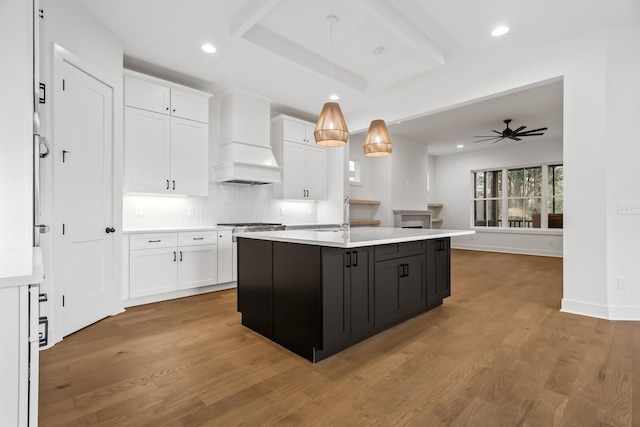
point(378, 141)
point(331, 128)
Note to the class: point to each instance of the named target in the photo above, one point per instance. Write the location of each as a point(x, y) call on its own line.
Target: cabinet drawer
point(153, 240)
point(192, 238)
point(397, 250)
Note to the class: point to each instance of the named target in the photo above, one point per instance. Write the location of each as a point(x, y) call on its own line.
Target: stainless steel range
point(243, 227)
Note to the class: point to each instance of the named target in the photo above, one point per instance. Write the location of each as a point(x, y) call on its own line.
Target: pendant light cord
point(331, 21)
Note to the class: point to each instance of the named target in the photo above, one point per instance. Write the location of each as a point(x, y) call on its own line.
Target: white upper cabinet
point(304, 164)
point(166, 137)
point(296, 131)
point(147, 95)
point(155, 95)
point(189, 105)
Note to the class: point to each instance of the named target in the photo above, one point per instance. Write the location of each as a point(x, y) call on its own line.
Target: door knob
point(110, 230)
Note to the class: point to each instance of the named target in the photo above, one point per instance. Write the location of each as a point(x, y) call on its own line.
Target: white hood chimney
point(245, 154)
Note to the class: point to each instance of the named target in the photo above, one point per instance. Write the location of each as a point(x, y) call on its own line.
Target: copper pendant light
point(331, 128)
point(378, 140)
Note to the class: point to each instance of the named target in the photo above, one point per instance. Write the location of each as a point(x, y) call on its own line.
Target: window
point(488, 203)
point(354, 171)
point(517, 197)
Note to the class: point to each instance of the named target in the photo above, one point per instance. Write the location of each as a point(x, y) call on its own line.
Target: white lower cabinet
point(165, 262)
point(225, 256)
point(197, 266)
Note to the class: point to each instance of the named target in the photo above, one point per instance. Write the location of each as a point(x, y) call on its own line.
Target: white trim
point(624, 312)
point(177, 294)
point(507, 250)
point(519, 230)
point(585, 309)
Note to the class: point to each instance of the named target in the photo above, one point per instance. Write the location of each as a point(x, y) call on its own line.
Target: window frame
point(504, 200)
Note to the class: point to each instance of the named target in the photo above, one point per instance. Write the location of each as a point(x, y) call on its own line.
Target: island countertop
point(355, 237)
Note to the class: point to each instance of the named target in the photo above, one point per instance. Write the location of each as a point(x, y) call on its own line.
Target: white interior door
point(84, 197)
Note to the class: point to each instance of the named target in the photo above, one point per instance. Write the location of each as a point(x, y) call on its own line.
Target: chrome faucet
point(345, 213)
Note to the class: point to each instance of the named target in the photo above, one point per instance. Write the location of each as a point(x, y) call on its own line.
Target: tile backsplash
point(225, 203)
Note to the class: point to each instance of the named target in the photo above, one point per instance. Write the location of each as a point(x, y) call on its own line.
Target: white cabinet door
point(13, 357)
point(198, 266)
point(188, 105)
point(147, 151)
point(234, 248)
point(293, 131)
point(146, 95)
point(152, 271)
point(299, 132)
point(293, 170)
point(189, 157)
point(316, 173)
point(309, 138)
point(225, 256)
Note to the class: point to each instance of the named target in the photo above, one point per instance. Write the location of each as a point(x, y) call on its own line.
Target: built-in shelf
point(435, 222)
point(363, 211)
point(364, 202)
point(364, 222)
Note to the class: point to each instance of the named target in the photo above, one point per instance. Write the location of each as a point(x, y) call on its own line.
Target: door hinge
point(63, 84)
point(62, 228)
point(42, 99)
point(63, 300)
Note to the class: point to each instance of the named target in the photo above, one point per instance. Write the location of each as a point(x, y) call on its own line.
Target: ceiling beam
point(402, 28)
point(251, 16)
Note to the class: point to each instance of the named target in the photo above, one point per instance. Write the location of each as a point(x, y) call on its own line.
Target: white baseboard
point(624, 312)
point(177, 294)
point(585, 309)
point(506, 250)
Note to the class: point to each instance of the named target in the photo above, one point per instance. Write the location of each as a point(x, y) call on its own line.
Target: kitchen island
point(317, 292)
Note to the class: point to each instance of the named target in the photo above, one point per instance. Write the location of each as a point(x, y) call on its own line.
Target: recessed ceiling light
point(334, 97)
point(209, 48)
point(500, 31)
point(459, 146)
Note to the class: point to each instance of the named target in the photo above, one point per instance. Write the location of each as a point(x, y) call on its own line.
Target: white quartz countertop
point(173, 229)
point(355, 237)
point(20, 266)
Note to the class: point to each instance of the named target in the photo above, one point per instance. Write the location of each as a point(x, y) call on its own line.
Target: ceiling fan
point(514, 134)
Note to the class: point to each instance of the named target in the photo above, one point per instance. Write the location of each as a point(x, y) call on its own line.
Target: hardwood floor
point(497, 353)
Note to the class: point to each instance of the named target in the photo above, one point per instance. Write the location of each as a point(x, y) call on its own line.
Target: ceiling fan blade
point(531, 134)
point(516, 138)
point(519, 129)
point(486, 136)
point(532, 130)
point(498, 140)
point(489, 139)
point(499, 133)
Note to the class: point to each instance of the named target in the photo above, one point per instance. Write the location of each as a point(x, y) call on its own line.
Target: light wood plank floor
point(497, 353)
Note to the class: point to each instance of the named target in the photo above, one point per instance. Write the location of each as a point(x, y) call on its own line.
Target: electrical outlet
point(191, 211)
point(628, 208)
point(281, 211)
point(138, 211)
point(622, 283)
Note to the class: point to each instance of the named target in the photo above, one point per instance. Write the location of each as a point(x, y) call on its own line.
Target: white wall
point(399, 181)
point(622, 183)
point(16, 106)
point(451, 183)
point(598, 90)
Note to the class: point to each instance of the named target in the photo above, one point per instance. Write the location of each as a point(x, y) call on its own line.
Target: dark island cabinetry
point(316, 300)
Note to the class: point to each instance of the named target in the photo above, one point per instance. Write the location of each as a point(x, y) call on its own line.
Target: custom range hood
point(245, 155)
